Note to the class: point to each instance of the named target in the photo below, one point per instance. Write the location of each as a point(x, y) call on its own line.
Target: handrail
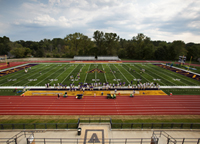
point(90, 119)
point(12, 139)
point(154, 138)
point(15, 137)
point(82, 140)
point(3, 140)
point(169, 138)
point(158, 125)
point(176, 140)
point(33, 125)
point(113, 125)
point(188, 140)
point(154, 135)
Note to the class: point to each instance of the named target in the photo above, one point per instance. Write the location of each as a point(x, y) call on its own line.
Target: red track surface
point(124, 105)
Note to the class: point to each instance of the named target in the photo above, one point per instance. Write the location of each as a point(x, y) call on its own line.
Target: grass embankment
point(182, 91)
point(10, 92)
point(141, 120)
point(157, 121)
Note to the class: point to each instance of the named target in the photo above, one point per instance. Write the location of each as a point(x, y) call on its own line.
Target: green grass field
point(60, 73)
point(55, 73)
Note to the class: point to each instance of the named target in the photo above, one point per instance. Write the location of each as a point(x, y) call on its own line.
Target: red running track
point(139, 105)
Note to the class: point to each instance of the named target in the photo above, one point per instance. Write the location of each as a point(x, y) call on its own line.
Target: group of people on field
point(104, 86)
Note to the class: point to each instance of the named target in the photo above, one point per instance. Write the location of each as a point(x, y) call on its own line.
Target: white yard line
point(128, 71)
point(69, 73)
point(149, 75)
point(87, 73)
point(29, 76)
point(15, 74)
point(162, 77)
point(164, 72)
point(113, 73)
point(38, 76)
point(123, 75)
point(61, 73)
point(22, 75)
point(48, 76)
point(95, 75)
point(104, 73)
point(76, 76)
point(140, 74)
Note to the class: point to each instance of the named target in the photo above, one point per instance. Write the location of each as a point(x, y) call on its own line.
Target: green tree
point(74, 41)
point(18, 50)
point(99, 41)
point(27, 51)
point(111, 43)
point(193, 51)
point(141, 45)
point(179, 48)
point(4, 45)
point(161, 53)
point(122, 48)
point(86, 45)
point(40, 52)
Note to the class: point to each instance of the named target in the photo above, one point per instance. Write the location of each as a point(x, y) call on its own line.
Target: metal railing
point(15, 138)
point(40, 126)
point(4, 140)
point(84, 141)
point(154, 138)
point(188, 140)
point(155, 125)
point(94, 119)
point(101, 120)
point(170, 139)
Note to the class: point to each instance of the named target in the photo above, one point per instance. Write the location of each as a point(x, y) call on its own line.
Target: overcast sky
point(158, 19)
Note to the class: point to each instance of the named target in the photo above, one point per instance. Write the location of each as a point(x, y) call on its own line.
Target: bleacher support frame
point(99, 58)
point(108, 58)
point(84, 58)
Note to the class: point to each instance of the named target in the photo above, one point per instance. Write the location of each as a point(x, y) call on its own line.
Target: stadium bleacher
point(110, 58)
point(101, 58)
point(86, 58)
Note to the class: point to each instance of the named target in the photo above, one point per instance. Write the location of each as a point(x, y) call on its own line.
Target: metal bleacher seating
point(112, 58)
point(80, 58)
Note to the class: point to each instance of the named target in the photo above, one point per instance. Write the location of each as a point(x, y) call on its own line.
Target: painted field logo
point(94, 136)
point(96, 70)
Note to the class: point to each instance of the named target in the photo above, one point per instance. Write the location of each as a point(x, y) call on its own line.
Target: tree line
point(140, 47)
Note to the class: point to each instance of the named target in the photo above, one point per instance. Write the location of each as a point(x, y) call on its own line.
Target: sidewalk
point(99, 133)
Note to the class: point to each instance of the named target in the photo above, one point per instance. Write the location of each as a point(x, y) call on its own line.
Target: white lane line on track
point(106, 110)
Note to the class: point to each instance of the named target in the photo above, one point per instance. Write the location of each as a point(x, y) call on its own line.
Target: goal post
point(4, 60)
point(182, 59)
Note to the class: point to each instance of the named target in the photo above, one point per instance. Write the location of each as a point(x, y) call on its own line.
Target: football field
point(69, 73)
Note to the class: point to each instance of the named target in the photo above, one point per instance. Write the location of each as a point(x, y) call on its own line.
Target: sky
point(35, 20)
